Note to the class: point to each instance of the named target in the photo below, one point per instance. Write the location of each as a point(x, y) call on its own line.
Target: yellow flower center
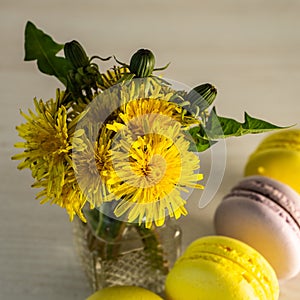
point(149, 164)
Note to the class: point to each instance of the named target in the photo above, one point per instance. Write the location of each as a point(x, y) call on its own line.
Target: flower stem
point(153, 246)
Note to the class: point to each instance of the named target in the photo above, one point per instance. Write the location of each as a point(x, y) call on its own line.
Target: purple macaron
point(265, 214)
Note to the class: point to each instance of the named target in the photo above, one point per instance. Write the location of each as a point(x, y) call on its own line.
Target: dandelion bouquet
point(118, 147)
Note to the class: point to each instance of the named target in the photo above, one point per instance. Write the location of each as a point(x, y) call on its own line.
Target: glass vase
point(139, 256)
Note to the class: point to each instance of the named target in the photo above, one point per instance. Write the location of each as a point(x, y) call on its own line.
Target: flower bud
point(76, 54)
point(202, 96)
point(142, 63)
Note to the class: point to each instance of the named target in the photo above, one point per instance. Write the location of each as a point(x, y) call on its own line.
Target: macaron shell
point(284, 139)
point(218, 267)
point(254, 265)
point(210, 280)
point(124, 293)
point(280, 164)
point(265, 229)
point(278, 192)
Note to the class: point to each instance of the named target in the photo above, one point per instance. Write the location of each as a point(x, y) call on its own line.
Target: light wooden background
point(249, 49)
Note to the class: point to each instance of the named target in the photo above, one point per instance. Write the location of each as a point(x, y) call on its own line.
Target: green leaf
point(257, 126)
point(41, 47)
point(200, 138)
point(220, 127)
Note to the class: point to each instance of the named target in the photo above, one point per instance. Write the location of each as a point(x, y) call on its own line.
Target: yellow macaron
point(278, 157)
point(218, 267)
point(124, 293)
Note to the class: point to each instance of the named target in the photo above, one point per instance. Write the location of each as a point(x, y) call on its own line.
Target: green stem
point(110, 231)
point(153, 246)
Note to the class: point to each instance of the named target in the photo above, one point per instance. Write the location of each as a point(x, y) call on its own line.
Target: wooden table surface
point(249, 49)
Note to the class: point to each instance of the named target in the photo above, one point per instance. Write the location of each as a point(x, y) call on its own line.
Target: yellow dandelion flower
point(92, 167)
point(49, 137)
point(142, 97)
point(152, 170)
point(45, 135)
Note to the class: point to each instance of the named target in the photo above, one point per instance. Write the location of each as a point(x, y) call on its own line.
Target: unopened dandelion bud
point(202, 96)
point(142, 63)
point(75, 53)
